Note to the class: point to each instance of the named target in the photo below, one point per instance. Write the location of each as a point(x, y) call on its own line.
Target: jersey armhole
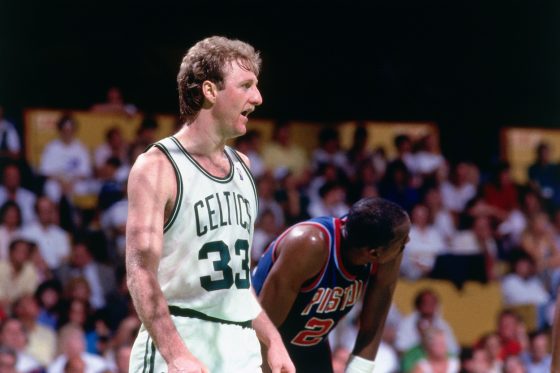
point(179, 180)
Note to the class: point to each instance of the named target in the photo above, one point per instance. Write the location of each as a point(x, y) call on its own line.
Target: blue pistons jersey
point(324, 299)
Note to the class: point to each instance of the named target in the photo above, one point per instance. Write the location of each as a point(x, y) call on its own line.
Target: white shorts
point(223, 348)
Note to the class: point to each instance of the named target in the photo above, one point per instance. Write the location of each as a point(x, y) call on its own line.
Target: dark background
point(471, 67)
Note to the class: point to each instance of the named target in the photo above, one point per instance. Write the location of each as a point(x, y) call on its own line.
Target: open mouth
point(246, 113)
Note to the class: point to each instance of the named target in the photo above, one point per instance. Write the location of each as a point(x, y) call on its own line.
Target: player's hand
point(278, 359)
point(188, 364)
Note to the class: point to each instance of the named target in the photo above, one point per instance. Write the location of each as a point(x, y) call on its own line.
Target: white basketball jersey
point(207, 240)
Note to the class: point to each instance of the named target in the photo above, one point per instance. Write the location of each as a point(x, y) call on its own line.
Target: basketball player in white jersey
point(192, 207)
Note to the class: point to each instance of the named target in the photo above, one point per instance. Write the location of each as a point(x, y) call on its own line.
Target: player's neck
point(199, 139)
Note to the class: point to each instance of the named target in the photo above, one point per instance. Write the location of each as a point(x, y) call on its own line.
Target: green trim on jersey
point(248, 171)
point(224, 180)
point(146, 355)
point(175, 211)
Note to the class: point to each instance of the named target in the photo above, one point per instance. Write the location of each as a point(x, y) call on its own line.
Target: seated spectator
point(537, 359)
point(397, 185)
point(538, 241)
point(71, 345)
point(426, 314)
point(513, 364)
point(17, 276)
point(119, 302)
point(403, 146)
point(41, 339)
point(329, 150)
point(249, 144)
point(544, 175)
point(459, 189)
point(359, 153)
point(114, 146)
point(100, 277)
point(511, 333)
point(501, 192)
point(53, 242)
point(475, 360)
point(111, 188)
point(443, 220)
point(437, 358)
point(282, 152)
point(11, 190)
point(10, 226)
point(332, 201)
point(146, 132)
point(48, 295)
point(66, 163)
point(266, 187)
point(8, 360)
point(293, 199)
point(365, 182)
point(427, 158)
point(10, 144)
point(13, 336)
point(425, 244)
point(265, 232)
point(521, 287)
point(479, 239)
point(114, 103)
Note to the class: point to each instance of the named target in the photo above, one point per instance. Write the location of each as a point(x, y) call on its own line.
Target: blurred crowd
point(64, 303)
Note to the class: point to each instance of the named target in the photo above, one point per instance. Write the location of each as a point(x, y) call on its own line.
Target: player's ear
point(373, 253)
point(209, 90)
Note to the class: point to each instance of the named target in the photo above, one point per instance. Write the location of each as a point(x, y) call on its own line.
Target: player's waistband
point(187, 312)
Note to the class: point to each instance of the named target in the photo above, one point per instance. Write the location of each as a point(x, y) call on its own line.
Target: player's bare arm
point(151, 191)
point(301, 254)
point(376, 304)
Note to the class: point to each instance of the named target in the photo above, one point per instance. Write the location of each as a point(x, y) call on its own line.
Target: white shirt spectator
point(454, 197)
point(52, 241)
point(517, 291)
point(421, 251)
point(66, 160)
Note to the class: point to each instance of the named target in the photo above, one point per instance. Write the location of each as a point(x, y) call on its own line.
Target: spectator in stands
point(53, 242)
point(545, 175)
point(442, 219)
point(513, 364)
point(427, 158)
point(292, 198)
point(332, 201)
point(327, 173)
point(11, 190)
point(426, 314)
point(364, 183)
point(17, 276)
point(10, 144)
point(479, 240)
point(250, 145)
point(119, 303)
point(122, 358)
point(66, 163)
point(425, 244)
point(114, 103)
point(522, 287)
point(537, 359)
point(266, 187)
point(475, 360)
point(146, 132)
point(538, 241)
point(437, 358)
point(10, 224)
point(282, 152)
point(13, 336)
point(511, 333)
point(42, 339)
point(490, 343)
point(397, 186)
point(403, 145)
point(8, 359)
point(114, 146)
point(459, 189)
point(501, 192)
point(111, 188)
point(48, 296)
point(265, 232)
point(329, 150)
point(71, 345)
point(81, 263)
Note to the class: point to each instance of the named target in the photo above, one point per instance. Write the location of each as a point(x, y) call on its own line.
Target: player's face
point(236, 100)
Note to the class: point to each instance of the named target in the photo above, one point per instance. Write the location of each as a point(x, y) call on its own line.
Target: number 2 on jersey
point(222, 265)
point(315, 330)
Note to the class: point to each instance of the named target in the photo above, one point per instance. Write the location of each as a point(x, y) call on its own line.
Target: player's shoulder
point(307, 240)
point(153, 162)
